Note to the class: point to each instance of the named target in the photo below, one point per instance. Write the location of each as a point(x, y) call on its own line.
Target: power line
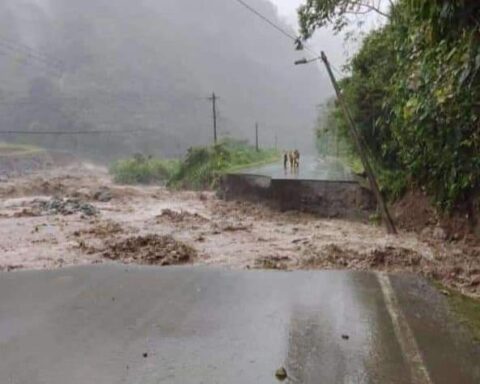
point(295, 39)
point(267, 20)
point(75, 132)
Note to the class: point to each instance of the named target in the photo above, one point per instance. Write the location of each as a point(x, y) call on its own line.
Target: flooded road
point(77, 216)
point(311, 168)
point(124, 324)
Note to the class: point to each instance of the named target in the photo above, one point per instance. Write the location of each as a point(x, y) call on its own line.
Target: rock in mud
point(439, 234)
point(181, 217)
point(392, 256)
point(151, 250)
point(281, 374)
point(58, 206)
point(101, 230)
point(103, 195)
point(272, 262)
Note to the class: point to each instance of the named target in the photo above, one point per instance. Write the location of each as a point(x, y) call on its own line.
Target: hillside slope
point(127, 65)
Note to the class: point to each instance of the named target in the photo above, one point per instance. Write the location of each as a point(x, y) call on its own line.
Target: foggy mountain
point(102, 65)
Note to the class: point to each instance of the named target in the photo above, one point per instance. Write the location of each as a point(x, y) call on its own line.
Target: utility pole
point(337, 142)
point(214, 99)
point(256, 137)
point(363, 156)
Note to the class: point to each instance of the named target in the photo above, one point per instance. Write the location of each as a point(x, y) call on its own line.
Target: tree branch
point(370, 7)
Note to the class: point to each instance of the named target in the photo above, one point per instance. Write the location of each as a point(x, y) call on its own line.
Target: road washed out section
point(320, 186)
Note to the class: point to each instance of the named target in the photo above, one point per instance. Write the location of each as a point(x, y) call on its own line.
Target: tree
point(319, 13)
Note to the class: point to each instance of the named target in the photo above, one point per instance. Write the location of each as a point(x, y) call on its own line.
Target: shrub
point(141, 170)
point(203, 166)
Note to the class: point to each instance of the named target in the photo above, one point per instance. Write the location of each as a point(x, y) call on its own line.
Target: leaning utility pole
point(214, 99)
point(256, 137)
point(358, 142)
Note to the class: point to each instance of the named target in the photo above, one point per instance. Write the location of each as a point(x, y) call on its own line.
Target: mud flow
point(76, 215)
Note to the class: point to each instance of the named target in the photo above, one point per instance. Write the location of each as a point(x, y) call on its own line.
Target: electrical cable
point(278, 28)
point(97, 132)
point(267, 20)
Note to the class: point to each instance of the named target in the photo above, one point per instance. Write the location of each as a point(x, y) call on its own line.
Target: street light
point(301, 61)
point(305, 61)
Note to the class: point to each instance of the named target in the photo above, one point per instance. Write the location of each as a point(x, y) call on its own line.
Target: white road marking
point(404, 334)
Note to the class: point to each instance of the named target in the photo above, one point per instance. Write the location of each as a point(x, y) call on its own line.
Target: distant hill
point(124, 65)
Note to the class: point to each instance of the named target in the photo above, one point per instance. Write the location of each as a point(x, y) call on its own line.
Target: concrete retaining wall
point(342, 199)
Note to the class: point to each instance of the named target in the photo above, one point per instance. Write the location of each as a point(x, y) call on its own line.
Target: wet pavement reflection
point(190, 325)
point(342, 338)
point(311, 168)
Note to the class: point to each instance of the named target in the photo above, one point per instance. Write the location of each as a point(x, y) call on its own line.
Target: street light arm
point(305, 61)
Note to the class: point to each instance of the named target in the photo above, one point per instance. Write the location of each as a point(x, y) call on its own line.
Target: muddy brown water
point(229, 234)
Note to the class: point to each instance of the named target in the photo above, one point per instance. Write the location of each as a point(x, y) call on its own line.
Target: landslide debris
point(460, 270)
point(178, 217)
point(334, 256)
point(272, 262)
point(101, 230)
point(102, 194)
point(57, 206)
point(63, 206)
point(150, 250)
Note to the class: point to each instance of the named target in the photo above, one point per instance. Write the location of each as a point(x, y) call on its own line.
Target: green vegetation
point(7, 149)
point(333, 138)
point(413, 90)
point(201, 168)
point(466, 308)
point(141, 170)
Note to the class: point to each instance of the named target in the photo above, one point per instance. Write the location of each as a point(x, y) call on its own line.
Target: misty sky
point(287, 8)
point(338, 50)
point(127, 64)
point(335, 46)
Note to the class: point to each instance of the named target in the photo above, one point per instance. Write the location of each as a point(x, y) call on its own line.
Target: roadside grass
point(268, 160)
point(354, 163)
point(204, 166)
point(141, 170)
point(8, 149)
point(466, 308)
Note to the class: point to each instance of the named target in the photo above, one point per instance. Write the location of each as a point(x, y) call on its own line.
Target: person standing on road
point(285, 159)
point(297, 158)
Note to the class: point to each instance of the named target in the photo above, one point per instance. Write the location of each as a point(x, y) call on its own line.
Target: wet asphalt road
point(311, 168)
point(118, 324)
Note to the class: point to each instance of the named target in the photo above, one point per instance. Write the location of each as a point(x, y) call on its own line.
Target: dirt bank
point(153, 225)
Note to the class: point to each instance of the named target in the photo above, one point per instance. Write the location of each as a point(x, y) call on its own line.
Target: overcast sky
point(324, 39)
point(287, 8)
point(335, 46)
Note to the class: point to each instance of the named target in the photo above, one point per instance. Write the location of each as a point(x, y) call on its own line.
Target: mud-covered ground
point(76, 215)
